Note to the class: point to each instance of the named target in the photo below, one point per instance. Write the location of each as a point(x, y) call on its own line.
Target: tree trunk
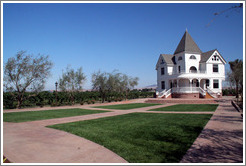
point(103, 97)
point(20, 100)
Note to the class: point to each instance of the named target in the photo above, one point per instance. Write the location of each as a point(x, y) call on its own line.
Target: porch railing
point(185, 89)
point(189, 72)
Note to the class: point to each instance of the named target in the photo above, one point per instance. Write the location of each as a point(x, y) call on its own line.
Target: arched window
point(193, 69)
point(192, 57)
point(180, 58)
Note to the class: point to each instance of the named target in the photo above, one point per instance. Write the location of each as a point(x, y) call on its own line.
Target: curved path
point(32, 142)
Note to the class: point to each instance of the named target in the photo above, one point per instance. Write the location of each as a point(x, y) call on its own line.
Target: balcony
point(190, 72)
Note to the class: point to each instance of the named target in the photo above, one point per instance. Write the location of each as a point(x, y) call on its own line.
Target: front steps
point(208, 96)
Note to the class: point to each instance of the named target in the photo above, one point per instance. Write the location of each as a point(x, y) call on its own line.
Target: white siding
point(191, 62)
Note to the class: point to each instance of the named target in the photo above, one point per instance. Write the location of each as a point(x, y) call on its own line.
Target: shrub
point(9, 100)
point(41, 104)
point(88, 101)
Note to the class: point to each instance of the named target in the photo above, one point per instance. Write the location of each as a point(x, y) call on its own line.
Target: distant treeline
point(47, 98)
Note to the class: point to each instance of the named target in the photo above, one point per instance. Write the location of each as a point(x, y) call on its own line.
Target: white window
point(216, 84)
point(162, 84)
point(193, 69)
point(162, 71)
point(192, 57)
point(215, 68)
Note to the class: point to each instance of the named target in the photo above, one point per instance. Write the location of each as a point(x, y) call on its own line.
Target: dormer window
point(180, 58)
point(192, 57)
point(215, 58)
point(162, 61)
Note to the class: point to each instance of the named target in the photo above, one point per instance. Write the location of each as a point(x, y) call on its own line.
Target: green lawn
point(142, 137)
point(189, 108)
point(126, 106)
point(48, 114)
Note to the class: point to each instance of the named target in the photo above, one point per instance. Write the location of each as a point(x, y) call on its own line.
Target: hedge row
point(65, 98)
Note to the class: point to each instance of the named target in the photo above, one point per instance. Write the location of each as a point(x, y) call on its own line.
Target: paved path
point(32, 142)
point(221, 141)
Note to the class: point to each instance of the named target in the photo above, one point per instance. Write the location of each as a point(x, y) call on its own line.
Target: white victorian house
point(189, 72)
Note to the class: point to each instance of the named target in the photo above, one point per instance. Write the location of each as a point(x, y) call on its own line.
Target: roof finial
point(186, 30)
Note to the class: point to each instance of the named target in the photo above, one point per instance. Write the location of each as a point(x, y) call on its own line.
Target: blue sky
point(126, 37)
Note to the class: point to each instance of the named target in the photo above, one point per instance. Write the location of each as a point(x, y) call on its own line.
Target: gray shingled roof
point(187, 44)
point(206, 55)
point(168, 58)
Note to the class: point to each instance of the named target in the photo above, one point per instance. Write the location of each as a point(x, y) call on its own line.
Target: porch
point(187, 88)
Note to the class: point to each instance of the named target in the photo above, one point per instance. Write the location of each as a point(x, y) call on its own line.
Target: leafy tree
point(26, 73)
point(72, 81)
point(236, 75)
point(127, 83)
point(99, 83)
point(106, 83)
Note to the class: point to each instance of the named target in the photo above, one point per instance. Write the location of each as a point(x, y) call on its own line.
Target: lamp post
point(56, 92)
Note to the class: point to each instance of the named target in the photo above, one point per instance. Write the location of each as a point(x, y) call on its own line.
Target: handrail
point(168, 92)
point(161, 94)
point(210, 92)
point(202, 91)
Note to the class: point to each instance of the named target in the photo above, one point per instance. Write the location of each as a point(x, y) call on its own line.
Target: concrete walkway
point(32, 142)
point(221, 141)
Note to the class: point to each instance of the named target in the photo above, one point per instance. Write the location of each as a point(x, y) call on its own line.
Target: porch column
point(210, 83)
point(199, 80)
point(190, 84)
point(177, 83)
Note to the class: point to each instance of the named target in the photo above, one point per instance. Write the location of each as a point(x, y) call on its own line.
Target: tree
point(72, 81)
point(26, 73)
point(127, 83)
point(236, 75)
point(99, 83)
point(106, 83)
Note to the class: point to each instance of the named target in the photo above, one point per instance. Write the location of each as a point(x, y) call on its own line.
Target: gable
point(165, 59)
point(209, 57)
point(216, 58)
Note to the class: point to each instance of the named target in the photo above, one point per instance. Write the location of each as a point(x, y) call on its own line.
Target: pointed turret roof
point(187, 44)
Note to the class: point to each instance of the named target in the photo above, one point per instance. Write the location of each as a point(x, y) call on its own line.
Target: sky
point(128, 37)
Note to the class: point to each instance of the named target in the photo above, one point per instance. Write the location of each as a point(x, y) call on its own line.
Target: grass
point(48, 114)
point(126, 106)
point(189, 108)
point(142, 137)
